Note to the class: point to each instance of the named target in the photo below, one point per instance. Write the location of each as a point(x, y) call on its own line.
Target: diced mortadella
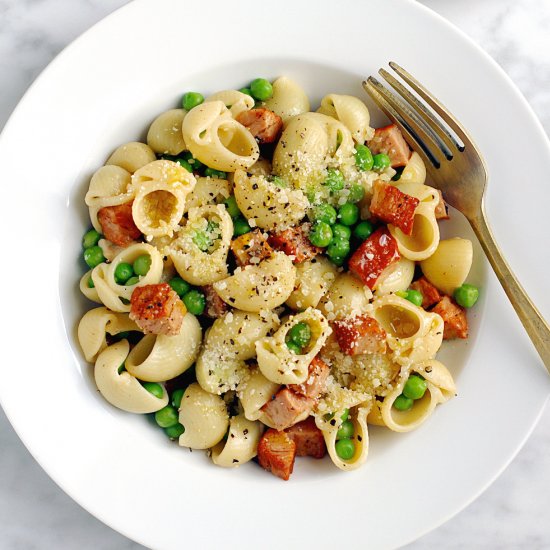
point(118, 224)
point(157, 309)
point(263, 124)
point(359, 335)
point(286, 408)
point(390, 141)
point(308, 438)
point(391, 205)
point(454, 317)
point(251, 248)
point(373, 256)
point(215, 306)
point(295, 242)
point(276, 453)
point(316, 381)
point(430, 294)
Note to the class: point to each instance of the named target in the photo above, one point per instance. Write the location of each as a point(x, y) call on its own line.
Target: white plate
point(102, 91)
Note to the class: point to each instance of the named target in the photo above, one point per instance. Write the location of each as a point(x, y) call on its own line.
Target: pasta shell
point(204, 417)
point(122, 389)
point(414, 171)
point(132, 156)
point(288, 99)
point(448, 267)
point(266, 285)
point(164, 135)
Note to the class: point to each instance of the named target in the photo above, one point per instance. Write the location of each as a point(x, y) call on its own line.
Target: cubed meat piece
point(359, 335)
point(454, 316)
point(316, 381)
point(251, 248)
point(118, 224)
point(441, 210)
point(430, 294)
point(308, 438)
point(276, 453)
point(373, 256)
point(391, 205)
point(390, 140)
point(157, 309)
point(262, 123)
point(215, 306)
point(286, 408)
point(295, 242)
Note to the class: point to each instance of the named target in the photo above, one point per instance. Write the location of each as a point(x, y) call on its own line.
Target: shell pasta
point(266, 277)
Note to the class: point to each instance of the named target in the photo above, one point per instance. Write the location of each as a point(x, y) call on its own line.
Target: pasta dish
point(270, 280)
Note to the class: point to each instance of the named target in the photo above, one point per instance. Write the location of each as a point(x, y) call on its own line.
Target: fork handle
point(535, 325)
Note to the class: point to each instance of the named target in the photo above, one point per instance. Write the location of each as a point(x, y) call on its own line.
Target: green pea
point(348, 214)
point(90, 283)
point(154, 388)
point(346, 430)
point(363, 157)
point(414, 296)
point(195, 302)
point(294, 348)
point(261, 89)
point(341, 231)
point(173, 432)
point(166, 417)
point(185, 164)
point(202, 240)
point(279, 182)
point(93, 256)
point(246, 91)
point(334, 180)
point(176, 397)
point(356, 193)
point(211, 173)
point(381, 162)
point(320, 234)
point(345, 415)
point(195, 163)
point(123, 272)
point(240, 226)
point(338, 250)
point(300, 334)
point(232, 206)
point(323, 213)
point(403, 403)
point(363, 230)
point(122, 335)
point(179, 286)
point(191, 99)
point(415, 387)
point(142, 264)
point(132, 281)
point(91, 238)
point(466, 295)
point(345, 449)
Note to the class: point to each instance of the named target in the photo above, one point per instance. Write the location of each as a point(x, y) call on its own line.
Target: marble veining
point(512, 514)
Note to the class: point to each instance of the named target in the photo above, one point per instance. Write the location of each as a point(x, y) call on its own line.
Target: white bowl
point(104, 90)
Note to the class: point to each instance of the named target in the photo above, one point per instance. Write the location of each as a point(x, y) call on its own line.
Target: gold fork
point(445, 158)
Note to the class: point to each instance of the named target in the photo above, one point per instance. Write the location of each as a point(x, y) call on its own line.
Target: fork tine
point(413, 123)
point(435, 104)
point(435, 125)
point(375, 89)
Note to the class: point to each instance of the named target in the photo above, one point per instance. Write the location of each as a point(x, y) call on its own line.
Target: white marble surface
point(512, 513)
